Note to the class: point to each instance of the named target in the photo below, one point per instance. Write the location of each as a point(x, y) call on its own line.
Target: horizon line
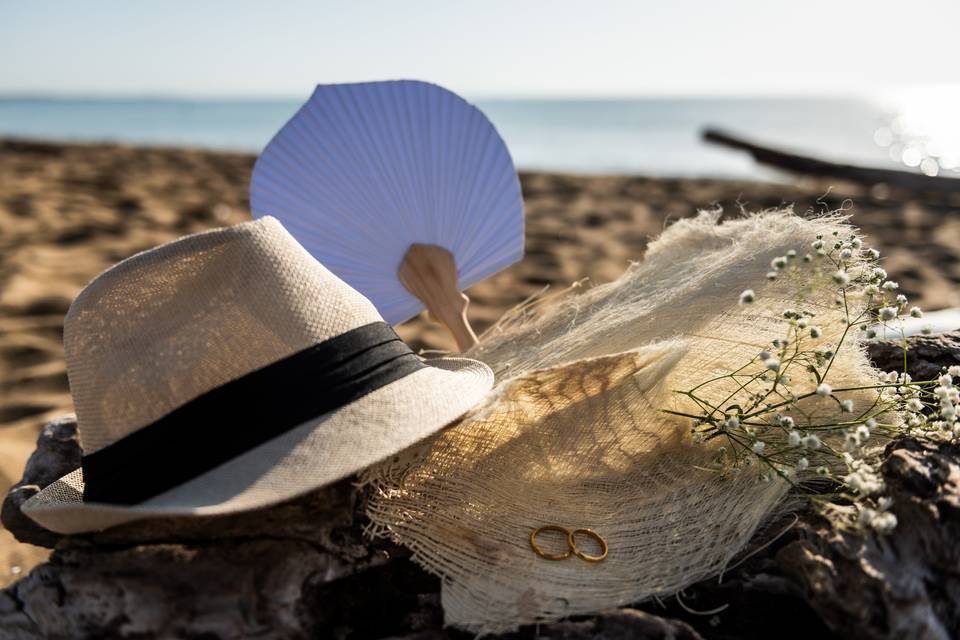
point(172, 96)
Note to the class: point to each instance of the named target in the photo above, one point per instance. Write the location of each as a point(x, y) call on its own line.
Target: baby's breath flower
point(841, 277)
point(928, 409)
point(884, 522)
point(850, 442)
point(864, 481)
point(888, 313)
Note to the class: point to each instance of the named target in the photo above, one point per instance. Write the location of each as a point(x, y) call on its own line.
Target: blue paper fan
point(363, 171)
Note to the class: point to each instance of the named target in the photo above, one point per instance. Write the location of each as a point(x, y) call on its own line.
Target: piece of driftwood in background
point(821, 168)
point(304, 569)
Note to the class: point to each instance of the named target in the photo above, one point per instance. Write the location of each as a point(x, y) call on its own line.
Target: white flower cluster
point(794, 432)
point(927, 412)
point(877, 291)
point(863, 478)
point(796, 439)
point(944, 409)
point(854, 439)
point(880, 519)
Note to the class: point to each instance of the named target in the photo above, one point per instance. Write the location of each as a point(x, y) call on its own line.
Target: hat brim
point(309, 456)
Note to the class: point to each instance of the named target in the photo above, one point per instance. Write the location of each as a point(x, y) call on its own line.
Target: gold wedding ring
point(550, 556)
point(590, 533)
point(572, 548)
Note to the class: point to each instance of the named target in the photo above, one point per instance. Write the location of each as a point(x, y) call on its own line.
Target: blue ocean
point(618, 136)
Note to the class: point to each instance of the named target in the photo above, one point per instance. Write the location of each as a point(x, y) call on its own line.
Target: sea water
point(656, 136)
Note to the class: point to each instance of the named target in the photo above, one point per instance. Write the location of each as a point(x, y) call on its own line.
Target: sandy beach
point(69, 211)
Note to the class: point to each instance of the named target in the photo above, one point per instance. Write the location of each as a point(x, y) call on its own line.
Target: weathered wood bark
point(926, 355)
point(822, 168)
point(905, 585)
point(304, 569)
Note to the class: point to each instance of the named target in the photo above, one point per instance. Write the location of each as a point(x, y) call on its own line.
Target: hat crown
point(169, 324)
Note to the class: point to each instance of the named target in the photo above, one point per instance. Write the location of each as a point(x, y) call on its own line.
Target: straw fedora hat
point(229, 370)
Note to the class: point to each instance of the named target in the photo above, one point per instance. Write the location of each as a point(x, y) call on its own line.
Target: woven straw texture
point(167, 325)
point(573, 433)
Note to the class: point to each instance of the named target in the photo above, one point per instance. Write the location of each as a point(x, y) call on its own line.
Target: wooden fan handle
point(429, 272)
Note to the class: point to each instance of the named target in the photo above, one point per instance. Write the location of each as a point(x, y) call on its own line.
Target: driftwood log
point(806, 165)
point(304, 569)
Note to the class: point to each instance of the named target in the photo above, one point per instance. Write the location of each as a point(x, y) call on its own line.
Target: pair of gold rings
point(572, 549)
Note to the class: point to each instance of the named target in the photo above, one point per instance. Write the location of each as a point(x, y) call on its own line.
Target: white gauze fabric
point(573, 433)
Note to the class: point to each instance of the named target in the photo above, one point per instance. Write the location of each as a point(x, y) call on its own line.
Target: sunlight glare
point(925, 131)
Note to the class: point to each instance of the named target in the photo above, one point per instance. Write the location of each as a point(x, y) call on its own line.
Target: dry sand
point(68, 212)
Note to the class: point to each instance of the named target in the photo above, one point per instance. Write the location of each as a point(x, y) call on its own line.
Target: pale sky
point(480, 49)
